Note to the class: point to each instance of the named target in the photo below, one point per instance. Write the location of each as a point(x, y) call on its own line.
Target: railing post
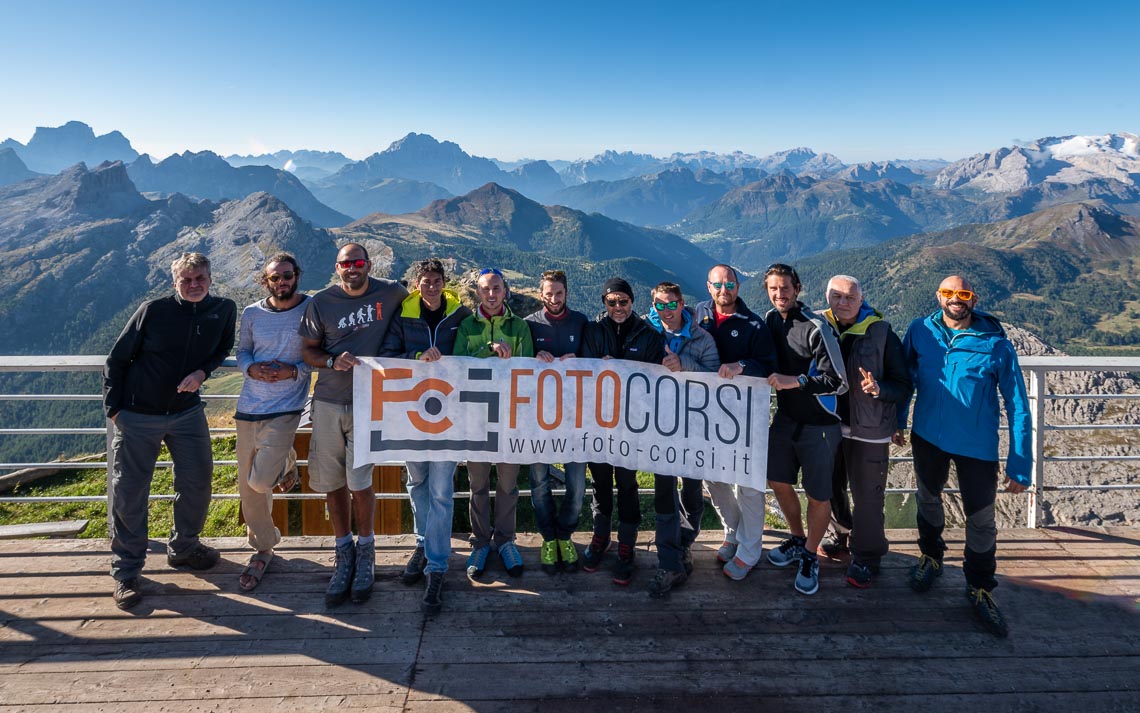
point(110, 469)
point(1037, 386)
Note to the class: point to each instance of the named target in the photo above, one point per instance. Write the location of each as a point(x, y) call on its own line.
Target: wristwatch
point(330, 362)
point(803, 381)
point(743, 366)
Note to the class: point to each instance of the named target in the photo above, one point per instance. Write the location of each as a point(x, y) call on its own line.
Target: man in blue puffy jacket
point(959, 359)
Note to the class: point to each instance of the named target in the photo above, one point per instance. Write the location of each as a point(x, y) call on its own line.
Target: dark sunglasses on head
point(277, 277)
point(617, 301)
point(490, 271)
point(358, 263)
point(725, 285)
point(666, 305)
point(964, 295)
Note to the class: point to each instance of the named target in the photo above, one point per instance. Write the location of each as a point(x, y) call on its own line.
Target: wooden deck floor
point(573, 642)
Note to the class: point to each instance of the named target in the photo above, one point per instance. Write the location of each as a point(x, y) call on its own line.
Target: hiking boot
point(663, 582)
point(433, 594)
point(736, 569)
point(548, 556)
point(128, 593)
point(365, 575)
point(623, 568)
point(569, 555)
point(512, 560)
point(592, 557)
point(414, 569)
point(834, 546)
point(343, 569)
point(985, 608)
point(477, 561)
point(807, 579)
point(922, 574)
point(725, 552)
point(197, 557)
point(789, 551)
point(859, 575)
point(687, 559)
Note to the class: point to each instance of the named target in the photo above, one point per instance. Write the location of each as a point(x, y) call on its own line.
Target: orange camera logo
point(433, 405)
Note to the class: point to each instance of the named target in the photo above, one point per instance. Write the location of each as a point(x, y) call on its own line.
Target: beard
point(283, 295)
point(957, 310)
point(355, 283)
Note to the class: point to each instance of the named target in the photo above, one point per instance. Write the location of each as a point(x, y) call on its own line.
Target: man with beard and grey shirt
point(342, 321)
point(150, 392)
point(270, 405)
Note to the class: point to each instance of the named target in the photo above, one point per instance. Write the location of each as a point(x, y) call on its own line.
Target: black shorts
point(794, 446)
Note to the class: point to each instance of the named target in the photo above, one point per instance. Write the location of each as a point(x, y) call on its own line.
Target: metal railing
point(1036, 368)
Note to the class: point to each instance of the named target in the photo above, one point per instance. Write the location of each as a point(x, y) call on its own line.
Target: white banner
point(521, 410)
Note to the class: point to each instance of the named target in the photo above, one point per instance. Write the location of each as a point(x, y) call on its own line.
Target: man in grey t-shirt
point(340, 322)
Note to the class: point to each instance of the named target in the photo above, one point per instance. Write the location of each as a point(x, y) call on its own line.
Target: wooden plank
point(327, 703)
point(62, 528)
point(725, 702)
point(202, 684)
point(688, 676)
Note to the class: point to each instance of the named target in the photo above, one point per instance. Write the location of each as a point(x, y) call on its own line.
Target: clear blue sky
point(861, 79)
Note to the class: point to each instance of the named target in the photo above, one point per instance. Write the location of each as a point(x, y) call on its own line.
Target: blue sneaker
point(807, 579)
point(477, 561)
point(512, 560)
point(789, 551)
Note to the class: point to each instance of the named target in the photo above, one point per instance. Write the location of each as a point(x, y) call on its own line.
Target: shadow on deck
point(574, 642)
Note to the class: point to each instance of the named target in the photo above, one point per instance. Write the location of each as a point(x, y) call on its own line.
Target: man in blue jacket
point(959, 359)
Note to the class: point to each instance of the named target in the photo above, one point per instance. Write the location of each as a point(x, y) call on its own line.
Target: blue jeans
point(431, 487)
point(562, 525)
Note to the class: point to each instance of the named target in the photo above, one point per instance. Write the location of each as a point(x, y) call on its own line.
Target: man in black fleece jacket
point(150, 392)
point(805, 434)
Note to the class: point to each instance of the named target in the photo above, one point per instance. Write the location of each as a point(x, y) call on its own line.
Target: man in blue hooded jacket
point(959, 359)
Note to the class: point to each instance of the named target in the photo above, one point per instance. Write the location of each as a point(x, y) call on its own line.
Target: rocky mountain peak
point(12, 169)
point(52, 149)
point(104, 190)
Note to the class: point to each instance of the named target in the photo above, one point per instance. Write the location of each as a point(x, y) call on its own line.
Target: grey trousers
point(506, 500)
point(137, 440)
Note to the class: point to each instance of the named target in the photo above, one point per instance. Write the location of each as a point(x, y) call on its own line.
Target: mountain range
point(1069, 273)
point(657, 218)
point(305, 164)
point(84, 246)
point(52, 149)
point(206, 175)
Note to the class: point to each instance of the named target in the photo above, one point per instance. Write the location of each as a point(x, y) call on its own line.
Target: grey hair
point(848, 278)
point(189, 261)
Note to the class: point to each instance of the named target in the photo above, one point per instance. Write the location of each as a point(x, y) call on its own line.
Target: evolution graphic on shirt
point(361, 318)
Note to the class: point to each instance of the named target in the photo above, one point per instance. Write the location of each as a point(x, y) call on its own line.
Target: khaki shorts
point(330, 450)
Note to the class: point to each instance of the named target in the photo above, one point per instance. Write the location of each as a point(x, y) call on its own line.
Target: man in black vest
point(877, 373)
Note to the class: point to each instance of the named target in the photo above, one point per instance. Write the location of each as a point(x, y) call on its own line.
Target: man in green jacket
point(493, 331)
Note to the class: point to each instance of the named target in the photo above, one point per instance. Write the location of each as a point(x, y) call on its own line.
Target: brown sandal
point(255, 572)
